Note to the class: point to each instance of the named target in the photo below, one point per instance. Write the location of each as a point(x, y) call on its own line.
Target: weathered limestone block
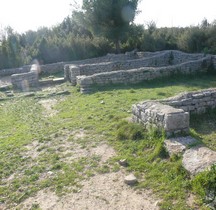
point(176, 120)
point(179, 145)
point(25, 81)
point(198, 159)
point(165, 117)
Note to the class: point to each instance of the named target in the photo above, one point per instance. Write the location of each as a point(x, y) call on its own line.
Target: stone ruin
point(24, 78)
point(172, 115)
point(129, 68)
point(143, 67)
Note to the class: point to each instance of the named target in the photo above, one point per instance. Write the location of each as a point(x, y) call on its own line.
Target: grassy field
point(100, 116)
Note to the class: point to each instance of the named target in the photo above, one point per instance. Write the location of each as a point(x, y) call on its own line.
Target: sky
point(23, 15)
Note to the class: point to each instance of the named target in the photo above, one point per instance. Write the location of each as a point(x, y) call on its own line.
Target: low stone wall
point(172, 114)
point(9, 72)
point(25, 82)
point(196, 102)
point(142, 74)
point(164, 58)
point(59, 67)
point(164, 117)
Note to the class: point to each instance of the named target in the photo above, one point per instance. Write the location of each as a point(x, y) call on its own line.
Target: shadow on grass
point(204, 124)
point(200, 81)
point(204, 128)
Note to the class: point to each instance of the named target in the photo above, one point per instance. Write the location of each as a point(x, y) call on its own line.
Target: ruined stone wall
point(163, 58)
point(25, 81)
point(9, 72)
point(142, 74)
point(59, 67)
point(196, 102)
point(163, 117)
point(172, 114)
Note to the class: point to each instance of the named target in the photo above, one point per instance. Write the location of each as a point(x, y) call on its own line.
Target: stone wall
point(164, 58)
point(25, 81)
point(9, 72)
point(163, 117)
point(142, 74)
point(59, 67)
point(172, 114)
point(196, 102)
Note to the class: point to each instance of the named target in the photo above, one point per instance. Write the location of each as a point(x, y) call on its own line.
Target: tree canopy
point(72, 40)
point(109, 18)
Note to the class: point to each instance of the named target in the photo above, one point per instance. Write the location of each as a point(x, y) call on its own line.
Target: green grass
point(22, 123)
point(204, 127)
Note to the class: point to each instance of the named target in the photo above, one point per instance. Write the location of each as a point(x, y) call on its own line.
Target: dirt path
point(101, 192)
point(106, 191)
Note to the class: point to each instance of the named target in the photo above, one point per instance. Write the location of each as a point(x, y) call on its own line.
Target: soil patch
point(48, 104)
point(103, 192)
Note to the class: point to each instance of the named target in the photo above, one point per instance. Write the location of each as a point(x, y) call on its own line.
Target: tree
point(109, 18)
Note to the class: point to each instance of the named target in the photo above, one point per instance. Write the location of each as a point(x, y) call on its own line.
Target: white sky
point(23, 15)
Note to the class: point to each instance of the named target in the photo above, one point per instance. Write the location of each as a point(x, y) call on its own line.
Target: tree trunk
point(117, 46)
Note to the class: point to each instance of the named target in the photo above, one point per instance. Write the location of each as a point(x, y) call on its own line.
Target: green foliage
point(202, 126)
point(109, 18)
point(130, 131)
point(73, 39)
point(204, 184)
point(159, 151)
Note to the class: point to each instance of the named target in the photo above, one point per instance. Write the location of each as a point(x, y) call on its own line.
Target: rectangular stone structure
point(25, 82)
point(164, 117)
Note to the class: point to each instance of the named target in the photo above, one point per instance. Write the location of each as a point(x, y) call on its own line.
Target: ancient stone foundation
point(195, 102)
point(146, 66)
point(163, 117)
point(25, 82)
point(172, 114)
point(129, 68)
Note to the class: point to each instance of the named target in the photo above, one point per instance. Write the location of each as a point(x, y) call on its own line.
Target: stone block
point(198, 159)
point(179, 145)
point(176, 121)
point(198, 95)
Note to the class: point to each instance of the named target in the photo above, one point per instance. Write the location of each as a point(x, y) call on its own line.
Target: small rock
point(50, 173)
point(123, 162)
point(130, 179)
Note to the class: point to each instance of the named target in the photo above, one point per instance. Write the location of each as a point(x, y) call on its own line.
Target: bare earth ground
point(105, 191)
point(102, 191)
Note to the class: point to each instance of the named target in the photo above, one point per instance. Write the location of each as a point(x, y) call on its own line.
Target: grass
point(22, 123)
point(204, 127)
